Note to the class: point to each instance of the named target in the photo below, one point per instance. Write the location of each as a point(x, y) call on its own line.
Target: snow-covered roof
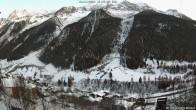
point(30, 85)
point(101, 93)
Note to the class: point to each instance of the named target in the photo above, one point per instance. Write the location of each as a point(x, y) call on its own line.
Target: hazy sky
point(188, 7)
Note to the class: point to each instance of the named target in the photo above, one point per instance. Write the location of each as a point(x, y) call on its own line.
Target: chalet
point(96, 95)
point(106, 93)
point(161, 104)
point(93, 95)
point(140, 101)
point(117, 96)
point(132, 99)
point(149, 69)
point(101, 94)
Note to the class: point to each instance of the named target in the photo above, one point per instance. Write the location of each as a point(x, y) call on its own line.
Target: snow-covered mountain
point(33, 16)
point(16, 14)
point(65, 11)
point(102, 46)
point(127, 6)
point(97, 26)
point(23, 14)
point(94, 40)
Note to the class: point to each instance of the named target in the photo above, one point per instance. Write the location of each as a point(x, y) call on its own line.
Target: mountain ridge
point(85, 27)
point(123, 6)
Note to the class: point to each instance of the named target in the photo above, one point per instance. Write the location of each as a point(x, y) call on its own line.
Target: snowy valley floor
point(96, 82)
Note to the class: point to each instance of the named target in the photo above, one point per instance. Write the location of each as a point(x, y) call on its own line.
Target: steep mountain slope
point(30, 40)
point(160, 36)
point(83, 43)
point(10, 30)
point(19, 21)
point(3, 21)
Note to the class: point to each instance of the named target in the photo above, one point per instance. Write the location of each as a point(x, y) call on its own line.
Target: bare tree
point(184, 97)
point(23, 94)
point(4, 93)
point(43, 100)
point(45, 103)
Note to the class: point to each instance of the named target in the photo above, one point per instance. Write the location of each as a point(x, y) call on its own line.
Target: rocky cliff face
point(127, 6)
point(65, 11)
point(83, 43)
point(10, 30)
point(3, 21)
point(16, 14)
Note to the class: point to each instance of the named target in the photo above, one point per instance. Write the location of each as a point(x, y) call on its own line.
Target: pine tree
point(194, 71)
point(148, 78)
point(59, 82)
point(144, 78)
point(194, 87)
point(132, 79)
point(70, 81)
point(110, 75)
point(155, 79)
point(64, 83)
point(140, 80)
point(129, 85)
point(177, 68)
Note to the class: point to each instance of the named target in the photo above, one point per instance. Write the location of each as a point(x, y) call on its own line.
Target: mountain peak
point(125, 2)
point(65, 11)
point(16, 14)
point(96, 15)
point(174, 12)
point(20, 14)
point(127, 6)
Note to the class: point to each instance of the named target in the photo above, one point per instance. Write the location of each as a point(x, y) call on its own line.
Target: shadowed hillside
point(83, 43)
point(160, 36)
point(30, 40)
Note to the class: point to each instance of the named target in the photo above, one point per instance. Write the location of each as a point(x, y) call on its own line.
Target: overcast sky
point(187, 7)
